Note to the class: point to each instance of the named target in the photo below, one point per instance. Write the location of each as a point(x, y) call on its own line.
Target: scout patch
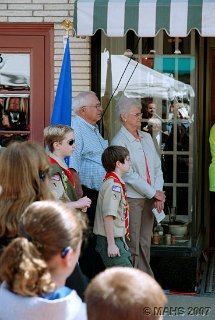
point(116, 188)
point(55, 177)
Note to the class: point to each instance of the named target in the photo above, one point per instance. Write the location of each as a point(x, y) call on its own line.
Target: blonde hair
point(21, 166)
point(46, 229)
point(123, 293)
point(55, 133)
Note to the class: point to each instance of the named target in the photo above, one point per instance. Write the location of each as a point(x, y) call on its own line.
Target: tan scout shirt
point(110, 202)
point(55, 182)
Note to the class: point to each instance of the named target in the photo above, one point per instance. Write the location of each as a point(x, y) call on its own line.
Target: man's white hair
point(81, 100)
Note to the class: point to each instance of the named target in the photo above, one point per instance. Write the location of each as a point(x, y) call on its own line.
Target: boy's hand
point(84, 202)
point(113, 251)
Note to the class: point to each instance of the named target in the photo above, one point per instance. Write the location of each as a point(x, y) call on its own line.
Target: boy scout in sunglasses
point(60, 141)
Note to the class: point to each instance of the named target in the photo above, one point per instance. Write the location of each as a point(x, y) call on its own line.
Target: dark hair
point(113, 154)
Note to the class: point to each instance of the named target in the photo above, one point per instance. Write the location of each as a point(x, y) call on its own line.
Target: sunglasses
point(70, 142)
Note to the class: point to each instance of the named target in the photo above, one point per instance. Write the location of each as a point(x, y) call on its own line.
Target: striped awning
point(145, 17)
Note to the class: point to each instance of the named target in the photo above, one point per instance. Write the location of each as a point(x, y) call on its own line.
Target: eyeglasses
point(97, 106)
point(70, 142)
point(139, 114)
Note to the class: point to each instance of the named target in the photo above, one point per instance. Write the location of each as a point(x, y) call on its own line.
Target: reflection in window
point(6, 139)
point(14, 71)
point(14, 112)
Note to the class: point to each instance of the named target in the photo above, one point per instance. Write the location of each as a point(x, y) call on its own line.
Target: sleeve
point(158, 173)
point(139, 184)
point(111, 198)
point(57, 188)
point(76, 157)
point(158, 184)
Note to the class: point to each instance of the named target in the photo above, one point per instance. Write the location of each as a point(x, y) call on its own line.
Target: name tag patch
point(116, 188)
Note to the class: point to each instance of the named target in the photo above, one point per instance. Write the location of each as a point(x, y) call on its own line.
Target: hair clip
point(65, 251)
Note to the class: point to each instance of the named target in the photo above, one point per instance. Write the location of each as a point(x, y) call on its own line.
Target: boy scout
point(111, 220)
point(60, 141)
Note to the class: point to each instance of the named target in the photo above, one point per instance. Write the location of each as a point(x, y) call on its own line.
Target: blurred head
point(129, 112)
point(50, 236)
point(24, 168)
point(88, 106)
point(151, 108)
point(123, 293)
point(112, 155)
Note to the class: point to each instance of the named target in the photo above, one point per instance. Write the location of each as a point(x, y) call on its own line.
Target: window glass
point(160, 72)
point(14, 97)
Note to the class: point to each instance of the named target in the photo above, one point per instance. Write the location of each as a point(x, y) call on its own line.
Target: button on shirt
point(86, 158)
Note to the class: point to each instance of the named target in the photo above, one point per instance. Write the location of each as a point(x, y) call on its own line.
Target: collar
point(91, 126)
point(61, 162)
point(130, 136)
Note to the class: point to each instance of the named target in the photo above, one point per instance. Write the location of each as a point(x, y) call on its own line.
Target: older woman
point(144, 181)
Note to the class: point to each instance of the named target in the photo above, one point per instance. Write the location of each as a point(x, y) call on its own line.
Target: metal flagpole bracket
point(68, 26)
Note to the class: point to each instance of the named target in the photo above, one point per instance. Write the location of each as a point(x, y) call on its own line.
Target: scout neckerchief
point(125, 209)
point(66, 171)
point(147, 168)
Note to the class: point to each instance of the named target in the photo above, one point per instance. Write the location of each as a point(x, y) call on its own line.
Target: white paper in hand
point(159, 216)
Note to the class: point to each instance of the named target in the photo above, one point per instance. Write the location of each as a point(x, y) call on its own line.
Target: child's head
point(124, 293)
point(57, 135)
point(113, 154)
point(50, 236)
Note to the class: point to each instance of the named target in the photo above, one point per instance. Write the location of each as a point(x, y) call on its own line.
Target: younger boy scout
point(111, 219)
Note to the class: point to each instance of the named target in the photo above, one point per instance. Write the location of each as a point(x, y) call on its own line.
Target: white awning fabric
point(145, 17)
point(138, 81)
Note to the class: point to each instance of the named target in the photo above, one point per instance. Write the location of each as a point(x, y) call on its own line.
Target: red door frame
point(37, 39)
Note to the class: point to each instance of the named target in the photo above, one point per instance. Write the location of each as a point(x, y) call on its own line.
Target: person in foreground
point(24, 168)
point(144, 181)
point(35, 265)
point(124, 293)
point(111, 220)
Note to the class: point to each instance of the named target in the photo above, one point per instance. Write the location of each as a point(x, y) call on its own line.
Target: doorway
point(26, 80)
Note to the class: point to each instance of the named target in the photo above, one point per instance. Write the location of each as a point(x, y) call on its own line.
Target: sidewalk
point(186, 307)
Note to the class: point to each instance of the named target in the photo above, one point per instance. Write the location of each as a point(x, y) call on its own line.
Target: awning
point(145, 17)
point(136, 80)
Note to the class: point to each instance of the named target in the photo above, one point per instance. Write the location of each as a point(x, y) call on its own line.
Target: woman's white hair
point(81, 100)
point(126, 104)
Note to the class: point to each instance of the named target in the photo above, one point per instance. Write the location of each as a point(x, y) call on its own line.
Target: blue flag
point(62, 110)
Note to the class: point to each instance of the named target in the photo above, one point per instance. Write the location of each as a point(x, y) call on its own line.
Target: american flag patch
point(55, 177)
point(116, 188)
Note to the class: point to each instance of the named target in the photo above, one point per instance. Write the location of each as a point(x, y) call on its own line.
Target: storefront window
point(14, 97)
point(159, 70)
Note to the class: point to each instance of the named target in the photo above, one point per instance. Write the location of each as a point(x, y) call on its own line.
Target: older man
point(86, 161)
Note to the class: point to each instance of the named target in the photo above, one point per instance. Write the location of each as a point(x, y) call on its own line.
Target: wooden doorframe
point(47, 31)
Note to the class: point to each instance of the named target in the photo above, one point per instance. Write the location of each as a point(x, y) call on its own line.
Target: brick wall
point(54, 11)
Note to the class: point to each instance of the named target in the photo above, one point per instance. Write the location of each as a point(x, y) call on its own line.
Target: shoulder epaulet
point(55, 168)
